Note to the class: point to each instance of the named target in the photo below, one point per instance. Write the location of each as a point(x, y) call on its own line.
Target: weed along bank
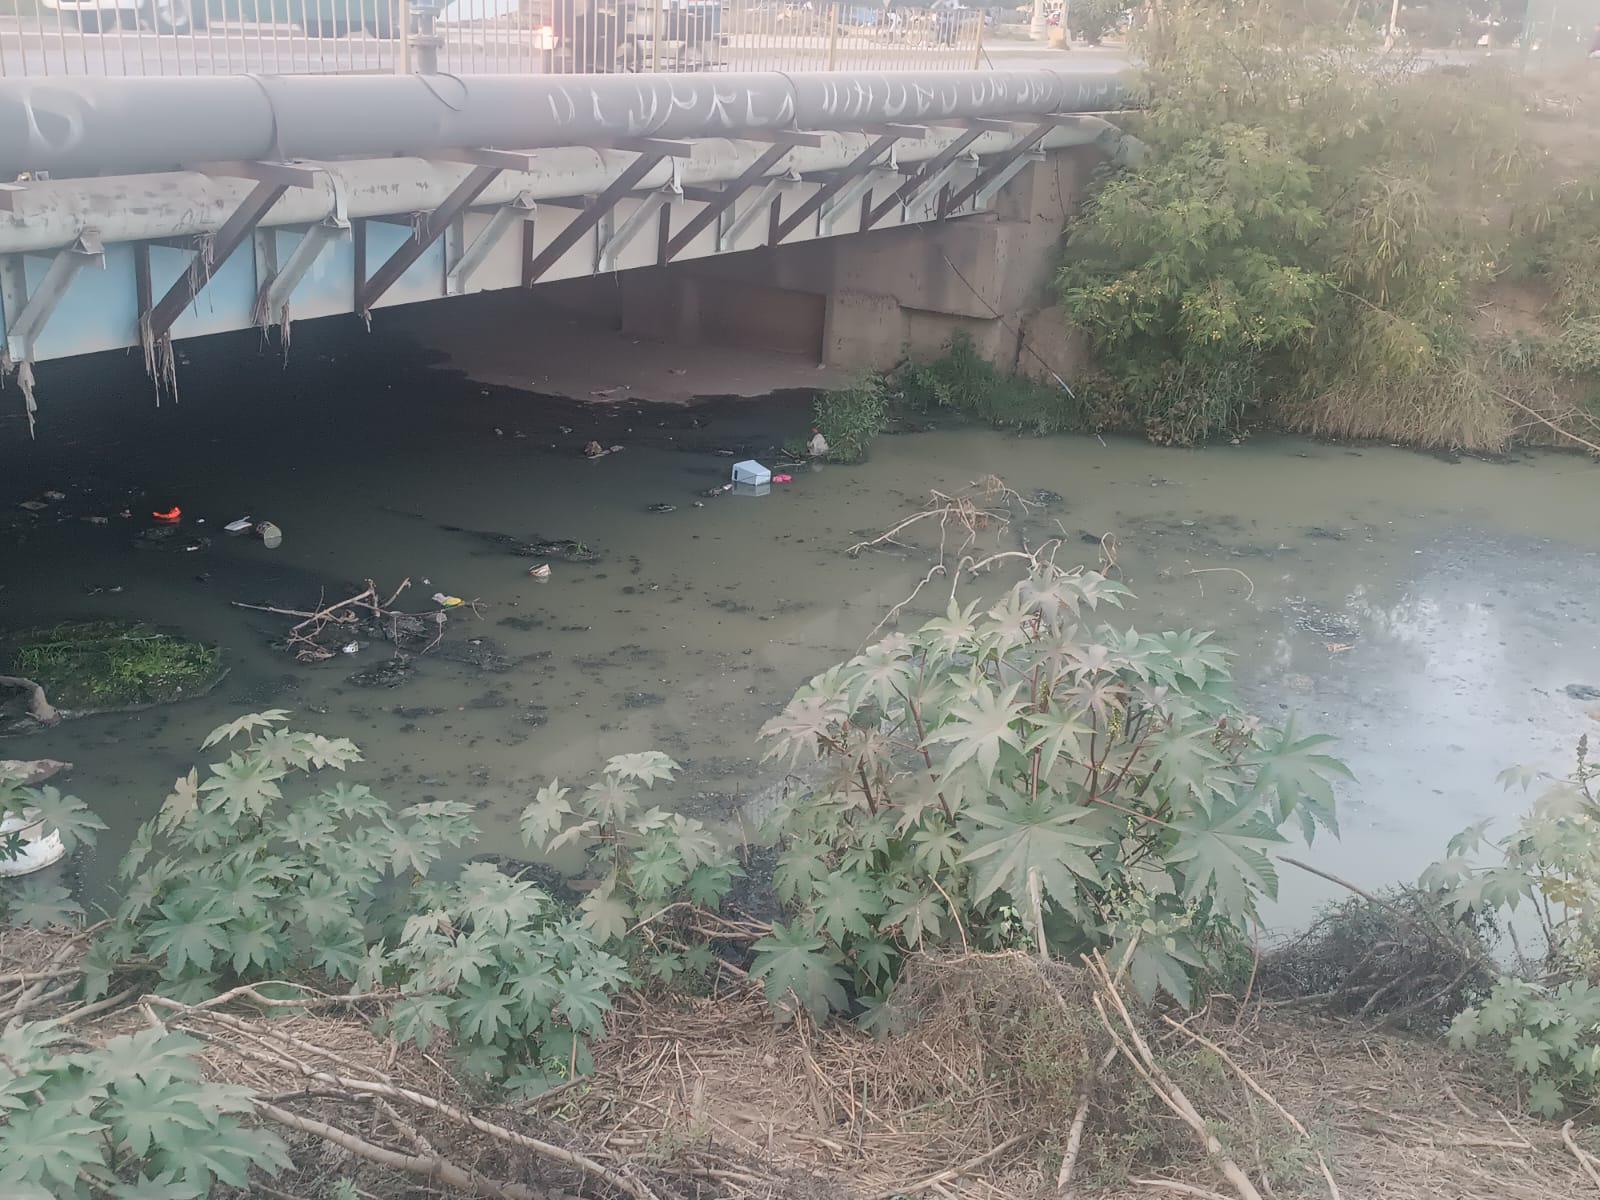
point(1135, 739)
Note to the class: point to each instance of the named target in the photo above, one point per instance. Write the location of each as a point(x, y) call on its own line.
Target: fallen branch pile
point(323, 631)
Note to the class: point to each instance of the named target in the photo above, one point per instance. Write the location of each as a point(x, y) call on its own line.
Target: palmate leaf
point(349, 801)
point(145, 1114)
point(164, 1186)
point(246, 724)
point(41, 905)
point(1059, 732)
point(796, 732)
point(50, 1141)
point(188, 933)
point(67, 815)
point(978, 729)
point(1223, 855)
point(1008, 840)
point(646, 767)
point(1545, 1098)
point(1528, 1052)
point(224, 1151)
point(610, 801)
point(710, 882)
point(792, 961)
point(243, 785)
point(582, 1001)
point(799, 871)
point(1300, 776)
point(696, 843)
point(416, 1019)
point(151, 1055)
point(917, 912)
point(606, 915)
point(546, 814)
point(481, 1010)
point(657, 868)
point(843, 904)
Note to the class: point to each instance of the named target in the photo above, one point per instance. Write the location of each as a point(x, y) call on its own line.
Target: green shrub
point(849, 418)
point(131, 1118)
point(1091, 20)
point(961, 380)
point(1017, 775)
point(1548, 1026)
point(1309, 216)
point(261, 871)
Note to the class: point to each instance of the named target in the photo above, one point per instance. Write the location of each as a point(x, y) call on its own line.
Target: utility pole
point(1394, 26)
point(1036, 31)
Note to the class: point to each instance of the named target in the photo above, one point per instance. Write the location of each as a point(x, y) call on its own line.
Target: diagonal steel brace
point(424, 234)
point(758, 207)
point(272, 308)
point(24, 329)
point(724, 200)
point(587, 219)
point(1002, 163)
point(861, 162)
point(505, 217)
point(931, 174)
point(614, 239)
point(234, 230)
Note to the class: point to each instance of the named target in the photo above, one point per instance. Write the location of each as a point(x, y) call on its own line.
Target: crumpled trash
point(34, 505)
point(350, 648)
point(596, 450)
point(542, 571)
point(444, 601)
point(818, 445)
point(239, 526)
point(271, 535)
point(53, 495)
point(783, 479)
point(663, 508)
point(170, 516)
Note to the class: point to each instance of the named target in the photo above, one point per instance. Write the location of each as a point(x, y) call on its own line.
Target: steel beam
point(938, 166)
point(507, 160)
point(589, 217)
point(23, 329)
point(424, 234)
point(609, 245)
point(272, 307)
point(287, 173)
point(226, 240)
point(848, 197)
point(743, 221)
point(505, 218)
point(724, 199)
point(781, 137)
point(661, 147)
point(999, 164)
point(828, 190)
point(985, 193)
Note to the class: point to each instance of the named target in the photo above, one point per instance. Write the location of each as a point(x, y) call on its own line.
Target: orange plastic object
point(171, 517)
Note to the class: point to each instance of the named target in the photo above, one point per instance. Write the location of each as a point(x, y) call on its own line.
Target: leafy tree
point(131, 1118)
point(1309, 216)
point(1016, 774)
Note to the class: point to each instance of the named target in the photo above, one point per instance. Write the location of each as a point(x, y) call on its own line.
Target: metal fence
point(222, 37)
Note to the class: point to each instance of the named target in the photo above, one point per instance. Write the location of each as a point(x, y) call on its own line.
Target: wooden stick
point(435, 1168)
point(1585, 1160)
point(1543, 420)
point(1173, 1185)
point(933, 1181)
point(1244, 1076)
point(1144, 1062)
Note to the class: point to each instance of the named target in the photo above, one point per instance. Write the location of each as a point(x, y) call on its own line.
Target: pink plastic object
point(783, 479)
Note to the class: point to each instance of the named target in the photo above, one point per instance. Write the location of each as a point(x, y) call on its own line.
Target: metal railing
point(225, 37)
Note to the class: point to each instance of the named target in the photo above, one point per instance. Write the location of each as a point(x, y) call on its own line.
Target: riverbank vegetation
point(1344, 243)
point(1001, 936)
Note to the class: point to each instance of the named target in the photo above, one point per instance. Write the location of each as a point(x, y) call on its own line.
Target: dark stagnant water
point(1430, 614)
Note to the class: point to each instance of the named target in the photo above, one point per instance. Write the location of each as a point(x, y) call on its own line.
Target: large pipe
point(130, 208)
point(104, 125)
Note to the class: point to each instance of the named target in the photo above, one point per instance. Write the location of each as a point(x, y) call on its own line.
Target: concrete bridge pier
point(868, 301)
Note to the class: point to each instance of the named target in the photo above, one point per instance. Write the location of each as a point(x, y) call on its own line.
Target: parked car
point(319, 18)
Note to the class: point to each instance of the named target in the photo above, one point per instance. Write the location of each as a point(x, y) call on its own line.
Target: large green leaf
point(1222, 855)
point(51, 1141)
point(417, 1018)
point(187, 933)
point(977, 730)
point(792, 961)
point(67, 815)
point(244, 785)
point(646, 767)
point(843, 904)
point(481, 1010)
point(1300, 776)
point(1008, 840)
point(606, 914)
point(546, 814)
point(41, 905)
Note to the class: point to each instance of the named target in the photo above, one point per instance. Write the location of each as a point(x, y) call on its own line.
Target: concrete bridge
point(141, 211)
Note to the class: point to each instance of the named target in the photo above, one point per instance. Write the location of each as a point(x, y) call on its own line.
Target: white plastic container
point(39, 848)
point(750, 471)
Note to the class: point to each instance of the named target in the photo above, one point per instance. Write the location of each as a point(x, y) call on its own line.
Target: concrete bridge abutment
point(868, 301)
